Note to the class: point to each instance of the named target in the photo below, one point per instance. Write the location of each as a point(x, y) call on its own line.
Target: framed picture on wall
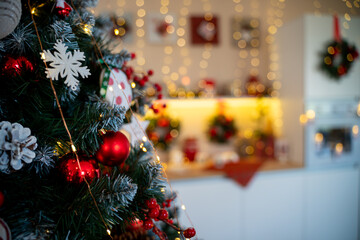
point(161, 28)
point(245, 32)
point(204, 31)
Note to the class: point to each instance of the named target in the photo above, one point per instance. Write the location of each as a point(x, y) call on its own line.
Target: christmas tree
point(66, 171)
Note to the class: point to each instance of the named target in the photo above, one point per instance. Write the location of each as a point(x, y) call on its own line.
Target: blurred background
point(258, 121)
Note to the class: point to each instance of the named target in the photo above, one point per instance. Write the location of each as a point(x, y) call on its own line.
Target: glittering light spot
point(327, 60)
point(249, 150)
point(165, 69)
point(272, 29)
point(276, 85)
point(203, 64)
point(355, 130)
point(141, 12)
point(183, 207)
point(339, 148)
point(236, 35)
point(174, 76)
point(310, 114)
point(140, 32)
point(180, 32)
point(169, 19)
point(164, 10)
point(181, 42)
point(239, 8)
point(168, 50)
point(347, 17)
point(242, 44)
point(185, 80)
point(182, 21)
point(255, 62)
point(254, 23)
point(319, 137)
point(139, 22)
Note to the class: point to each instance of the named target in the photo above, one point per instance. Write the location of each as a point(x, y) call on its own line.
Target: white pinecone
point(16, 146)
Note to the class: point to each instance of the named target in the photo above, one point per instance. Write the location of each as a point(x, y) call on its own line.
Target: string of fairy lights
point(206, 54)
point(351, 5)
point(140, 32)
point(172, 86)
point(274, 21)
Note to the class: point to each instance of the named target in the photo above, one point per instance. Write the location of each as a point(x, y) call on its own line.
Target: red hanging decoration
point(70, 168)
point(337, 35)
point(63, 8)
point(114, 150)
point(17, 66)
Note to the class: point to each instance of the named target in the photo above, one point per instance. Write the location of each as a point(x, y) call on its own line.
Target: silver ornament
point(10, 13)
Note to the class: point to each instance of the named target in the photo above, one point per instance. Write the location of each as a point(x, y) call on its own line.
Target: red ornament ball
point(151, 203)
point(114, 150)
point(17, 66)
point(148, 224)
point(2, 199)
point(189, 233)
point(163, 214)
point(70, 168)
point(150, 72)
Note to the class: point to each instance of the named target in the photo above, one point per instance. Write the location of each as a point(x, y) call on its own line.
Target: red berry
point(170, 221)
point(163, 204)
point(189, 233)
point(168, 203)
point(150, 72)
point(156, 110)
point(160, 96)
point(154, 212)
point(151, 203)
point(142, 82)
point(158, 87)
point(133, 55)
point(145, 78)
point(163, 214)
point(136, 79)
point(148, 224)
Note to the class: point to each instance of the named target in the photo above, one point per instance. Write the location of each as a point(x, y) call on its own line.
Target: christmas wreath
point(162, 131)
point(221, 128)
point(338, 58)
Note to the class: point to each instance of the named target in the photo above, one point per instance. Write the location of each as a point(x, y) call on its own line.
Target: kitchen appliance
point(332, 133)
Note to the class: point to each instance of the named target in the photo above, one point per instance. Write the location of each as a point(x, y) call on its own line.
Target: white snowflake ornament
point(65, 64)
point(115, 88)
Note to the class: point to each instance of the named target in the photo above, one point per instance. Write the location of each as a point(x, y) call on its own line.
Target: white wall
point(223, 61)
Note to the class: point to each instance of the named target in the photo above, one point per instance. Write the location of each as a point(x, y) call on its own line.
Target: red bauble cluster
point(154, 212)
point(63, 9)
point(114, 150)
point(141, 79)
point(73, 173)
point(189, 232)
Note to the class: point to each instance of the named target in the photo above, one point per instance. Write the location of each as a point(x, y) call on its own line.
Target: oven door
point(332, 142)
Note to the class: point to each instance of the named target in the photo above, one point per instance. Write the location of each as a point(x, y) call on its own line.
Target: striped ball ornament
point(10, 13)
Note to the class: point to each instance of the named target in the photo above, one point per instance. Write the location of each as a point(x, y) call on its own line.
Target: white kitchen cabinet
point(289, 205)
point(332, 204)
point(273, 206)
